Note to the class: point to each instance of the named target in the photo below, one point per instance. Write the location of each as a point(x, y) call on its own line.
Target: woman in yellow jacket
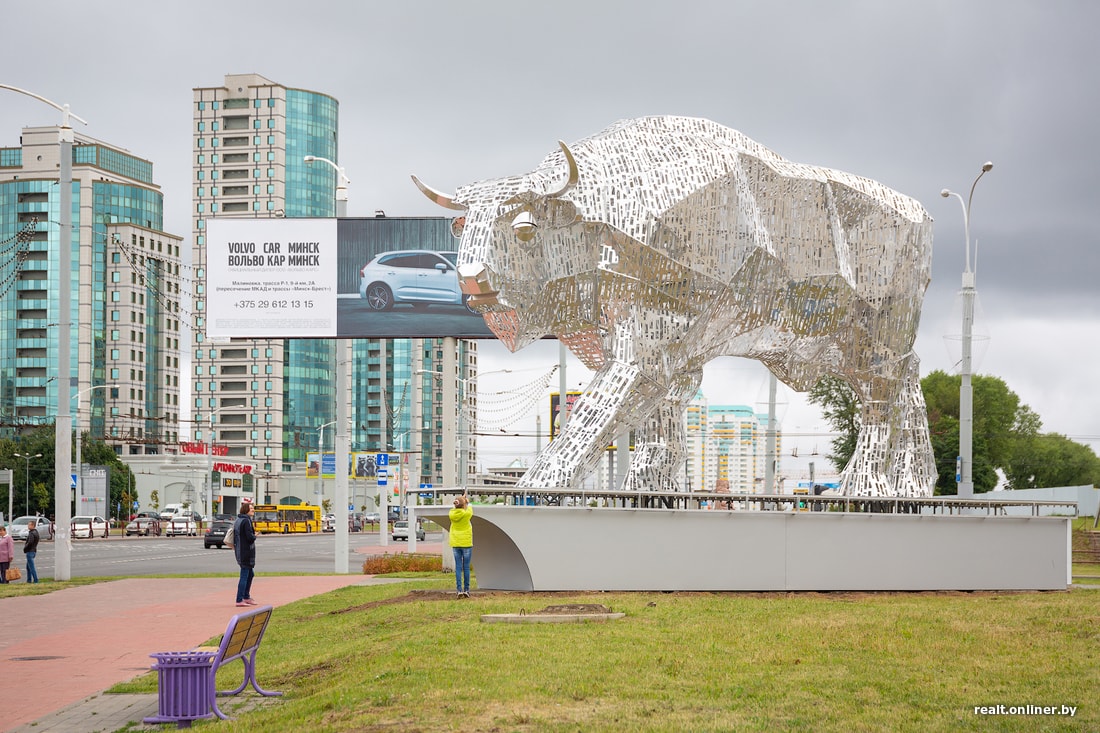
point(462, 542)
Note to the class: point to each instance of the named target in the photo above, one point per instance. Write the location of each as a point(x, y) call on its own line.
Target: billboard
point(361, 465)
point(335, 278)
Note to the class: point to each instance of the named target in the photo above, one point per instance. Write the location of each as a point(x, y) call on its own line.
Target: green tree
point(840, 407)
point(1051, 460)
point(1006, 435)
point(999, 419)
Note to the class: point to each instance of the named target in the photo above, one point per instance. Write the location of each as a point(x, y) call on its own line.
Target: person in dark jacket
point(30, 549)
point(244, 547)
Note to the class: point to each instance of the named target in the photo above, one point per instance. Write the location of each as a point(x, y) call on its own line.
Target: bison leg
point(659, 447)
point(893, 454)
point(619, 396)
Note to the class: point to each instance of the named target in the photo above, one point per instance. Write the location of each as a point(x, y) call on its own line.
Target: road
point(136, 556)
point(355, 318)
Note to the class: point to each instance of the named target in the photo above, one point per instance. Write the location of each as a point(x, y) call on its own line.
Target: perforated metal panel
point(671, 241)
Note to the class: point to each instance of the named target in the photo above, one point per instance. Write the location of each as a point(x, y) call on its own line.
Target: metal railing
point(702, 500)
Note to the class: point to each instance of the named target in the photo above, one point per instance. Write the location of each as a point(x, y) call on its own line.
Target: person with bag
point(7, 553)
point(30, 549)
point(244, 548)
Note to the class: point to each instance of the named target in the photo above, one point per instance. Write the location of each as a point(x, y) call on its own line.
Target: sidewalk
point(59, 651)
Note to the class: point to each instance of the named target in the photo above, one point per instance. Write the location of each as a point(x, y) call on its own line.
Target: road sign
point(382, 459)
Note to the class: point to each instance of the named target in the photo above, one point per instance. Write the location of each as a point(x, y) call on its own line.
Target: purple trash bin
point(183, 687)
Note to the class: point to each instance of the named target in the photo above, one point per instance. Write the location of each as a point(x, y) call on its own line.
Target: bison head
point(523, 243)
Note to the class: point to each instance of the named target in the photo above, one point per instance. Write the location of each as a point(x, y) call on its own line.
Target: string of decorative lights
point(166, 301)
point(19, 251)
point(503, 408)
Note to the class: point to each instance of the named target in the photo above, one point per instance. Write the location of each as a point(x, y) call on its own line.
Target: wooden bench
point(187, 680)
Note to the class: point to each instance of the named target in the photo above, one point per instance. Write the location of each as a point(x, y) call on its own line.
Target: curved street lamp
point(26, 482)
point(966, 392)
point(340, 444)
point(342, 182)
point(64, 425)
point(79, 445)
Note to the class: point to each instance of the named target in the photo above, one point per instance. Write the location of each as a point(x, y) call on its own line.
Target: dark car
point(143, 526)
point(215, 533)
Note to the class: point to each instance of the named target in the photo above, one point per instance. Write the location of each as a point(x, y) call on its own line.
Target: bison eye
point(458, 224)
point(525, 226)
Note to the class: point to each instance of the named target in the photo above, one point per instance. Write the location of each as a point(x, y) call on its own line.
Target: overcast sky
point(914, 94)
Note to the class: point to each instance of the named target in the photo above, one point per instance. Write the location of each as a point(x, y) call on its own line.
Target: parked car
point(143, 526)
point(147, 513)
point(19, 526)
point(87, 527)
point(420, 277)
point(215, 533)
point(401, 530)
point(181, 524)
point(328, 523)
point(373, 518)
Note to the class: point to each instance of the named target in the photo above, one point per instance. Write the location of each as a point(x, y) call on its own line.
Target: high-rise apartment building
point(126, 311)
point(272, 401)
point(726, 447)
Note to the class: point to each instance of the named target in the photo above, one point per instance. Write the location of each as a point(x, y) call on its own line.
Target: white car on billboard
point(419, 277)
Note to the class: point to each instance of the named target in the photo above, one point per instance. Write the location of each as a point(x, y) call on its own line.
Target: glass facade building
point(125, 296)
point(272, 401)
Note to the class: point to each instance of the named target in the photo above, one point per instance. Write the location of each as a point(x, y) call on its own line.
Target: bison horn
point(440, 198)
point(574, 174)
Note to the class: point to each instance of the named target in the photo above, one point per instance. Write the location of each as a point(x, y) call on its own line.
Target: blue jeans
point(463, 555)
point(244, 585)
point(32, 573)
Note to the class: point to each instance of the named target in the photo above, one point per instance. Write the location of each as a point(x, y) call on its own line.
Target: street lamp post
point(321, 460)
point(342, 182)
point(64, 425)
point(26, 481)
point(966, 392)
point(79, 444)
point(209, 482)
point(341, 442)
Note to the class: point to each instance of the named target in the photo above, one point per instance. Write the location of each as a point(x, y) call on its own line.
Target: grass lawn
point(410, 657)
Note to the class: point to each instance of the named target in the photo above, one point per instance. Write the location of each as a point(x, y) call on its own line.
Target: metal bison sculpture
point(661, 243)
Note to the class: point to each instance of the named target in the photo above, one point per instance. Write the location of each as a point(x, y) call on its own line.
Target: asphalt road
point(355, 318)
point(136, 556)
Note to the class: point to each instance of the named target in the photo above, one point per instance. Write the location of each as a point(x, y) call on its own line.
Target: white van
point(171, 510)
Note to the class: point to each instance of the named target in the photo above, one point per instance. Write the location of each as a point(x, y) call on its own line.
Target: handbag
point(14, 574)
